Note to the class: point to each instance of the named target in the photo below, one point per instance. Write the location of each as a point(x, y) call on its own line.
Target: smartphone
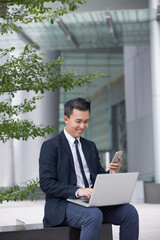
point(116, 155)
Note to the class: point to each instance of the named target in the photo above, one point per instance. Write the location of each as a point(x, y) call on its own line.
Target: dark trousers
point(90, 220)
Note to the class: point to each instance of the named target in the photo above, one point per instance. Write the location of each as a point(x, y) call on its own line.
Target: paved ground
point(32, 212)
point(149, 216)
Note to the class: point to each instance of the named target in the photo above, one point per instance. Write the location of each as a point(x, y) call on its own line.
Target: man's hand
point(115, 167)
point(87, 192)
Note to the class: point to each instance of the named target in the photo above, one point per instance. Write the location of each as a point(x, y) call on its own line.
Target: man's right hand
point(87, 192)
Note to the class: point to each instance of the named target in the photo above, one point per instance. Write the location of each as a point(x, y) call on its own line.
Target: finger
point(85, 192)
point(120, 159)
point(114, 165)
point(88, 192)
point(114, 168)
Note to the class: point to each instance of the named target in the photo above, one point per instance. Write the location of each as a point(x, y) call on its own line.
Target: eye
point(86, 121)
point(78, 121)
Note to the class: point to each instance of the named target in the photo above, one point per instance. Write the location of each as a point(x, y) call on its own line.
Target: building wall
point(137, 70)
point(103, 92)
point(101, 122)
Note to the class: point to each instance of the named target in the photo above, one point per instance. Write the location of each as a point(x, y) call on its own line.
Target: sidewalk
point(149, 220)
point(32, 212)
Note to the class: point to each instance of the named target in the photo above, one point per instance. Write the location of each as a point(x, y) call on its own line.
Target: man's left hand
point(115, 167)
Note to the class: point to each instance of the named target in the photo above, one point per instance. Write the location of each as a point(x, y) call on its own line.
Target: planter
point(152, 192)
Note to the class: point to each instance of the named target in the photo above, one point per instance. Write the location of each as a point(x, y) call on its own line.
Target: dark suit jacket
point(57, 175)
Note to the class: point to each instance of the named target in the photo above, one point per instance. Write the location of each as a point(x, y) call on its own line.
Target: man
point(63, 175)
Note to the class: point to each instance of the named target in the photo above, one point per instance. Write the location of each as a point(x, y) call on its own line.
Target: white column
point(155, 77)
point(26, 153)
point(6, 152)
point(6, 164)
point(50, 105)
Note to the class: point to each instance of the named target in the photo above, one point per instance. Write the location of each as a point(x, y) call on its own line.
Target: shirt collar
point(69, 137)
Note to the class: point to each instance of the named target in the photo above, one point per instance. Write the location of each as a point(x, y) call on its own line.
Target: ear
point(65, 118)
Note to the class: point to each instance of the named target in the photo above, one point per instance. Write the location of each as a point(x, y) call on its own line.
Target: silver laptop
point(110, 189)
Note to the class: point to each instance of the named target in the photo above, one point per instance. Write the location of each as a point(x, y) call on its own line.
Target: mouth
point(80, 130)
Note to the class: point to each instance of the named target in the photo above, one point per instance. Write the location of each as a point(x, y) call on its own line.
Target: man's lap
point(116, 214)
point(76, 214)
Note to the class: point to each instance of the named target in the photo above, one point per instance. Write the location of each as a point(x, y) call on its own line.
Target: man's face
point(77, 123)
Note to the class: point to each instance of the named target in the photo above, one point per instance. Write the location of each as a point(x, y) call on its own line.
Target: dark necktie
point(81, 165)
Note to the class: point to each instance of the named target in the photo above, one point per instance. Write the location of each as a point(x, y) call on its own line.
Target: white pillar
point(155, 77)
point(6, 152)
point(6, 164)
point(26, 153)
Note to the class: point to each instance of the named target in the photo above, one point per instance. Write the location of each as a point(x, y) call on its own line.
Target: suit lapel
point(66, 148)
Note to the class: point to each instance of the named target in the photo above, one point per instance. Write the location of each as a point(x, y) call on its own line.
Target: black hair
point(77, 103)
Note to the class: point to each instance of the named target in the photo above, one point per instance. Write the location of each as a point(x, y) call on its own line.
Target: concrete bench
point(37, 232)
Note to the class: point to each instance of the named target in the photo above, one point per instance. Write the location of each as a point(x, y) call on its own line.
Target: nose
point(82, 125)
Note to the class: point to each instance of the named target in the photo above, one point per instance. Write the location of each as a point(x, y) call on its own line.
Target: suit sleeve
point(49, 183)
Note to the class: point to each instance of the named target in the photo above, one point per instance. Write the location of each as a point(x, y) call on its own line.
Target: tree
point(29, 71)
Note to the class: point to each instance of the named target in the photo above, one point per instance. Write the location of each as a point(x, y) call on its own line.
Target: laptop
point(110, 189)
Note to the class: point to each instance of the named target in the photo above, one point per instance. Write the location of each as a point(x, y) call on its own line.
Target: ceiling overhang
point(87, 30)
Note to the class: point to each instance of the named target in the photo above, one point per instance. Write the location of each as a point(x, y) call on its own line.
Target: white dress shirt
point(80, 182)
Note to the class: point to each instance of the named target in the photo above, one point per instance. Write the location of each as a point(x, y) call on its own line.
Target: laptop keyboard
point(84, 199)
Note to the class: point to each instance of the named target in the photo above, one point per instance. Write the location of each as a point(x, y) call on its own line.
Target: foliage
point(16, 193)
point(29, 72)
point(27, 11)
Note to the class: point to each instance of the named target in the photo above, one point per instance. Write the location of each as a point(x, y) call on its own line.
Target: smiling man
point(77, 122)
point(69, 165)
